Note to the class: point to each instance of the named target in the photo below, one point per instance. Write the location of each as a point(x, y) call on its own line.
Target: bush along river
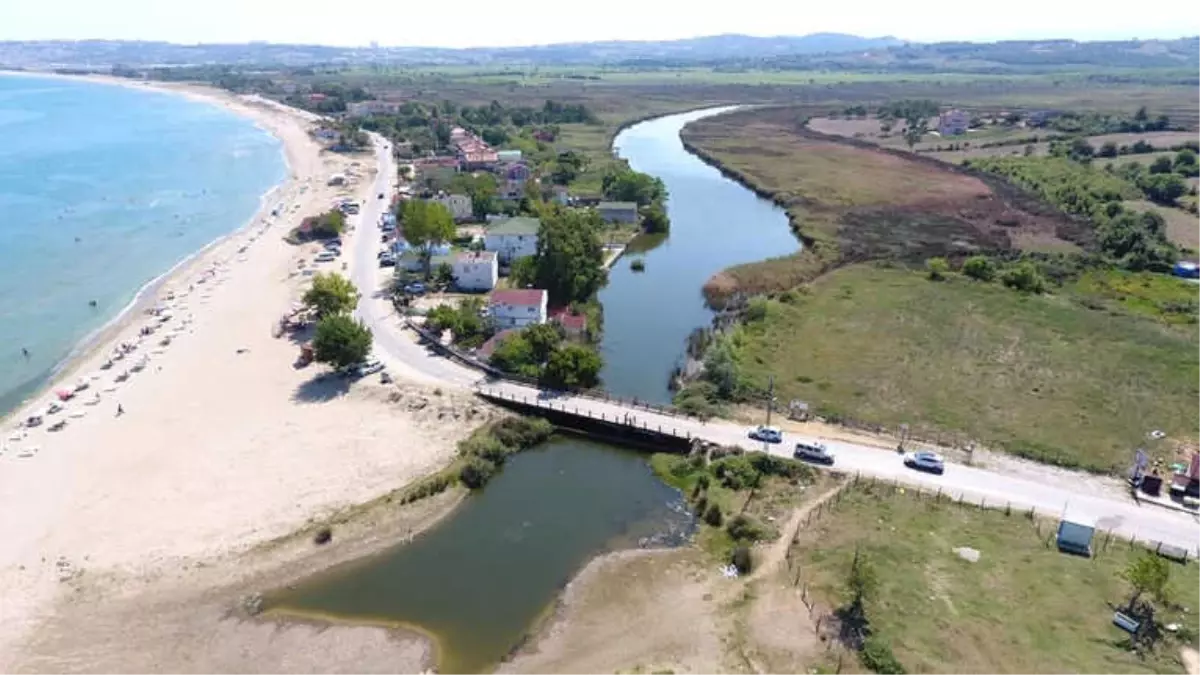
point(477, 582)
point(715, 223)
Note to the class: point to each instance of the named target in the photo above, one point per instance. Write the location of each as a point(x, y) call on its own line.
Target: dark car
point(816, 453)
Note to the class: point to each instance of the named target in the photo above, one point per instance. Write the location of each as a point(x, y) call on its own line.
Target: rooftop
point(517, 225)
point(617, 205)
point(475, 256)
point(519, 296)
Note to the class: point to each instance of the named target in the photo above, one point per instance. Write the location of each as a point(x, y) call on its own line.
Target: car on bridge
point(766, 434)
point(816, 453)
point(925, 461)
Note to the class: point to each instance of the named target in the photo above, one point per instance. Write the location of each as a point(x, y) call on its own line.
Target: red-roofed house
point(517, 308)
point(488, 348)
point(573, 324)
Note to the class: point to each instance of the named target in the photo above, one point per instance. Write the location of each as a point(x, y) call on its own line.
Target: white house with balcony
point(517, 308)
point(475, 270)
point(512, 238)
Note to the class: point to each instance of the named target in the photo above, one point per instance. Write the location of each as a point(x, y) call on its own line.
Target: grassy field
point(854, 203)
point(1183, 228)
point(1076, 378)
point(1023, 607)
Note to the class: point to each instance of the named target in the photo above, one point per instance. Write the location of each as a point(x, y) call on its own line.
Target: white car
point(925, 461)
point(813, 452)
point(767, 434)
point(325, 256)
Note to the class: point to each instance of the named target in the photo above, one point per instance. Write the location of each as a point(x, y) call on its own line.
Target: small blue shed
point(1075, 537)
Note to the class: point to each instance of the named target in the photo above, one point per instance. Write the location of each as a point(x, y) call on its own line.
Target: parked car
point(364, 369)
point(813, 452)
point(415, 288)
point(767, 434)
point(925, 461)
point(387, 261)
point(325, 256)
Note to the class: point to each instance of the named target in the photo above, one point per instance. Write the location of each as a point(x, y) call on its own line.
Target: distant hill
point(829, 51)
point(103, 53)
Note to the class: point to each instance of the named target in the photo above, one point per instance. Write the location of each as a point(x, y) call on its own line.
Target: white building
point(513, 238)
point(953, 122)
point(368, 108)
point(460, 206)
point(517, 308)
point(476, 270)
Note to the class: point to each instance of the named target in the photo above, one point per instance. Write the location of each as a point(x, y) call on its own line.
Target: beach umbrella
point(64, 394)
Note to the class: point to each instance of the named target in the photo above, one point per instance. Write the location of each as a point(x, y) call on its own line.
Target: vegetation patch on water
point(484, 452)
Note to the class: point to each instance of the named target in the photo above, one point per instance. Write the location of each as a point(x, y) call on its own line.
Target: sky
point(479, 23)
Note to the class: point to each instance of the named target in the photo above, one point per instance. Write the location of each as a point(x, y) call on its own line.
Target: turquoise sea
point(103, 189)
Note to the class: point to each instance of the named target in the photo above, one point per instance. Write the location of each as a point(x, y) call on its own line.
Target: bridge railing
point(626, 420)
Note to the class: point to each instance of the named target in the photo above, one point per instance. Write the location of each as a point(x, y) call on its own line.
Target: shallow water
point(104, 188)
point(478, 580)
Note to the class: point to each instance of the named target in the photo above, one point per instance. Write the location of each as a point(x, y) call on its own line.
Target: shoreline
point(222, 456)
point(143, 298)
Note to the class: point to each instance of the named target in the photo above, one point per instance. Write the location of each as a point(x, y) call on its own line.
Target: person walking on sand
point(120, 410)
point(24, 352)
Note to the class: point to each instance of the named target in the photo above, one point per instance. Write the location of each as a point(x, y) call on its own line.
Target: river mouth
point(476, 582)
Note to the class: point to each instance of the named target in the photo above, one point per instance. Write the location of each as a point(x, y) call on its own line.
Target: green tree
point(860, 589)
point(655, 220)
point(1186, 164)
point(1162, 164)
point(426, 225)
point(444, 275)
point(330, 294)
point(568, 263)
point(1163, 188)
point(1148, 574)
point(1023, 277)
point(328, 225)
point(482, 190)
point(341, 341)
point(543, 339)
point(938, 269)
point(720, 368)
point(572, 367)
point(1109, 149)
point(979, 267)
point(523, 272)
point(626, 185)
point(514, 354)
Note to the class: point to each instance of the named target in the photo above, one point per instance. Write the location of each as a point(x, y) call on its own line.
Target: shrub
point(713, 515)
point(741, 560)
point(323, 536)
point(938, 269)
point(877, 655)
point(476, 472)
point(979, 267)
point(519, 433)
point(1023, 277)
point(744, 528)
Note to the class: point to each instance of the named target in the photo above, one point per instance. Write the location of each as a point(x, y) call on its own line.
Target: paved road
point(404, 355)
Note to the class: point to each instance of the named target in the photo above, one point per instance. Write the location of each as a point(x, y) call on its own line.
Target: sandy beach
point(183, 461)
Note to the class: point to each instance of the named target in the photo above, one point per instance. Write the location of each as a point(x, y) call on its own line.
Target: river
point(715, 223)
point(479, 580)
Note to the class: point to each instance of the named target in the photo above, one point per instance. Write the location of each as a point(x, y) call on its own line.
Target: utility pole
point(770, 397)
